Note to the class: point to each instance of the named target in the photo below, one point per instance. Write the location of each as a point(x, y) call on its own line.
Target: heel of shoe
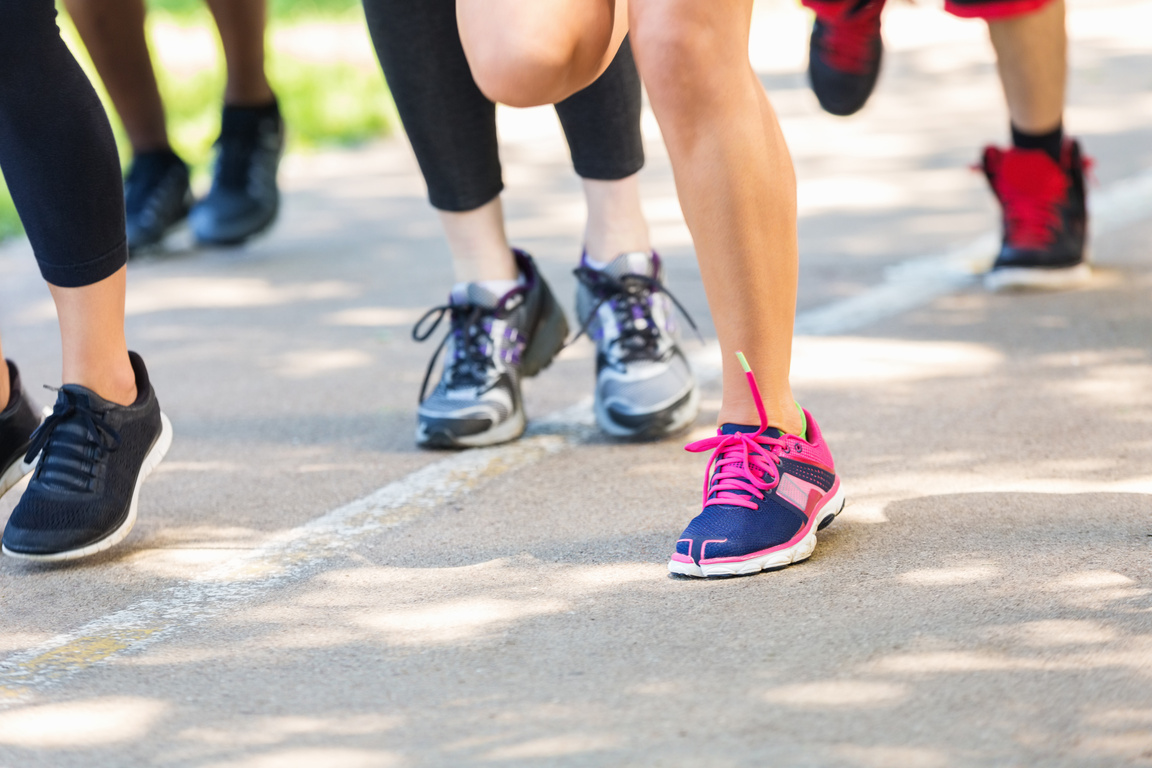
point(548, 338)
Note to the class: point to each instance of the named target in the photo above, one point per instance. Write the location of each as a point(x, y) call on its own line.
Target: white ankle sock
point(495, 287)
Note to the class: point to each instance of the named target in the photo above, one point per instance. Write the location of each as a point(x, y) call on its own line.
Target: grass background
point(324, 104)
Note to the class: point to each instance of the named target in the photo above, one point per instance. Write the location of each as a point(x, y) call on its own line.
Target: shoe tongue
point(83, 395)
point(474, 293)
point(635, 263)
point(731, 429)
point(1033, 170)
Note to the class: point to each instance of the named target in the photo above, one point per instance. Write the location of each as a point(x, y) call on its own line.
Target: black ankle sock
point(1052, 143)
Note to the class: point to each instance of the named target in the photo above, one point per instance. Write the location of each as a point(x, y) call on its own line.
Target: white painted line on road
point(302, 551)
point(283, 558)
point(915, 283)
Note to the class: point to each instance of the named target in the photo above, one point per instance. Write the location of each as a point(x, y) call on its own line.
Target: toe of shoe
point(38, 542)
point(840, 93)
point(230, 220)
point(723, 531)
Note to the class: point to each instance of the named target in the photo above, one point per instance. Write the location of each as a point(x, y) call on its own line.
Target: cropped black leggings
point(452, 125)
point(57, 152)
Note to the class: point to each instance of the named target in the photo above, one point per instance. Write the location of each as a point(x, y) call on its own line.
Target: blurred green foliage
point(278, 10)
point(324, 104)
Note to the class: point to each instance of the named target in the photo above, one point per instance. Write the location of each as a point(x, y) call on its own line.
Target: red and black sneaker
point(844, 55)
point(1045, 217)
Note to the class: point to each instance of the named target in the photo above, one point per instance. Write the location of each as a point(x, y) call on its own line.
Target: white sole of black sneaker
point(154, 457)
point(1023, 278)
point(799, 551)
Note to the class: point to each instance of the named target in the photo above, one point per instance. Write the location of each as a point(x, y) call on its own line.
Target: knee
point(521, 70)
point(683, 60)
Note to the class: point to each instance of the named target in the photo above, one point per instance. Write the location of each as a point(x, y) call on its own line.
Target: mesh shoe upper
point(91, 452)
point(1045, 215)
point(642, 376)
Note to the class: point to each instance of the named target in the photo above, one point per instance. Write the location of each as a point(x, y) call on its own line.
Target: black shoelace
point(630, 297)
point(472, 343)
point(74, 439)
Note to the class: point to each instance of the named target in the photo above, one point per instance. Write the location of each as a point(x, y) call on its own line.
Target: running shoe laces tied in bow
point(74, 439)
point(746, 464)
point(470, 329)
point(630, 297)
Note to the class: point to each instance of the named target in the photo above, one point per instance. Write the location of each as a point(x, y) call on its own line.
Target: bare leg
point(241, 24)
point(616, 222)
point(480, 249)
point(736, 185)
point(113, 33)
point(732, 167)
point(1031, 54)
point(92, 334)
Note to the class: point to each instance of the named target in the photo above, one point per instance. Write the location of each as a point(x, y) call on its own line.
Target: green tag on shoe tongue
point(804, 429)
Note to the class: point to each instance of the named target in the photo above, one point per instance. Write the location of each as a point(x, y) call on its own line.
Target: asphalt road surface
point(306, 588)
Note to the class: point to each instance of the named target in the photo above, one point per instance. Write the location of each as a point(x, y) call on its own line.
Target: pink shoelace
point(742, 460)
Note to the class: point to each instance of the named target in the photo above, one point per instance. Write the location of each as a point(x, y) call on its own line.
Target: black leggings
point(452, 125)
point(57, 152)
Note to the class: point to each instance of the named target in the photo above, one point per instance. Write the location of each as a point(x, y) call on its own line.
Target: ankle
point(1051, 141)
point(248, 93)
point(116, 384)
point(786, 418)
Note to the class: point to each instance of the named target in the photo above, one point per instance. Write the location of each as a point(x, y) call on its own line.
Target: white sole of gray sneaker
point(509, 430)
point(154, 457)
point(1024, 278)
point(680, 419)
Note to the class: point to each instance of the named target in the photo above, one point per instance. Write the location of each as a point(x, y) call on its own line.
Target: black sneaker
point(492, 343)
point(157, 197)
point(644, 385)
point(18, 421)
point(844, 58)
point(94, 455)
point(1045, 217)
point(244, 199)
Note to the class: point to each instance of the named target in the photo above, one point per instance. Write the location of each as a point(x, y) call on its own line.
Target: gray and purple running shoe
point(644, 386)
point(492, 343)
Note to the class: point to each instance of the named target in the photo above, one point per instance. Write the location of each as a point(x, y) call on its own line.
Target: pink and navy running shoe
point(766, 493)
